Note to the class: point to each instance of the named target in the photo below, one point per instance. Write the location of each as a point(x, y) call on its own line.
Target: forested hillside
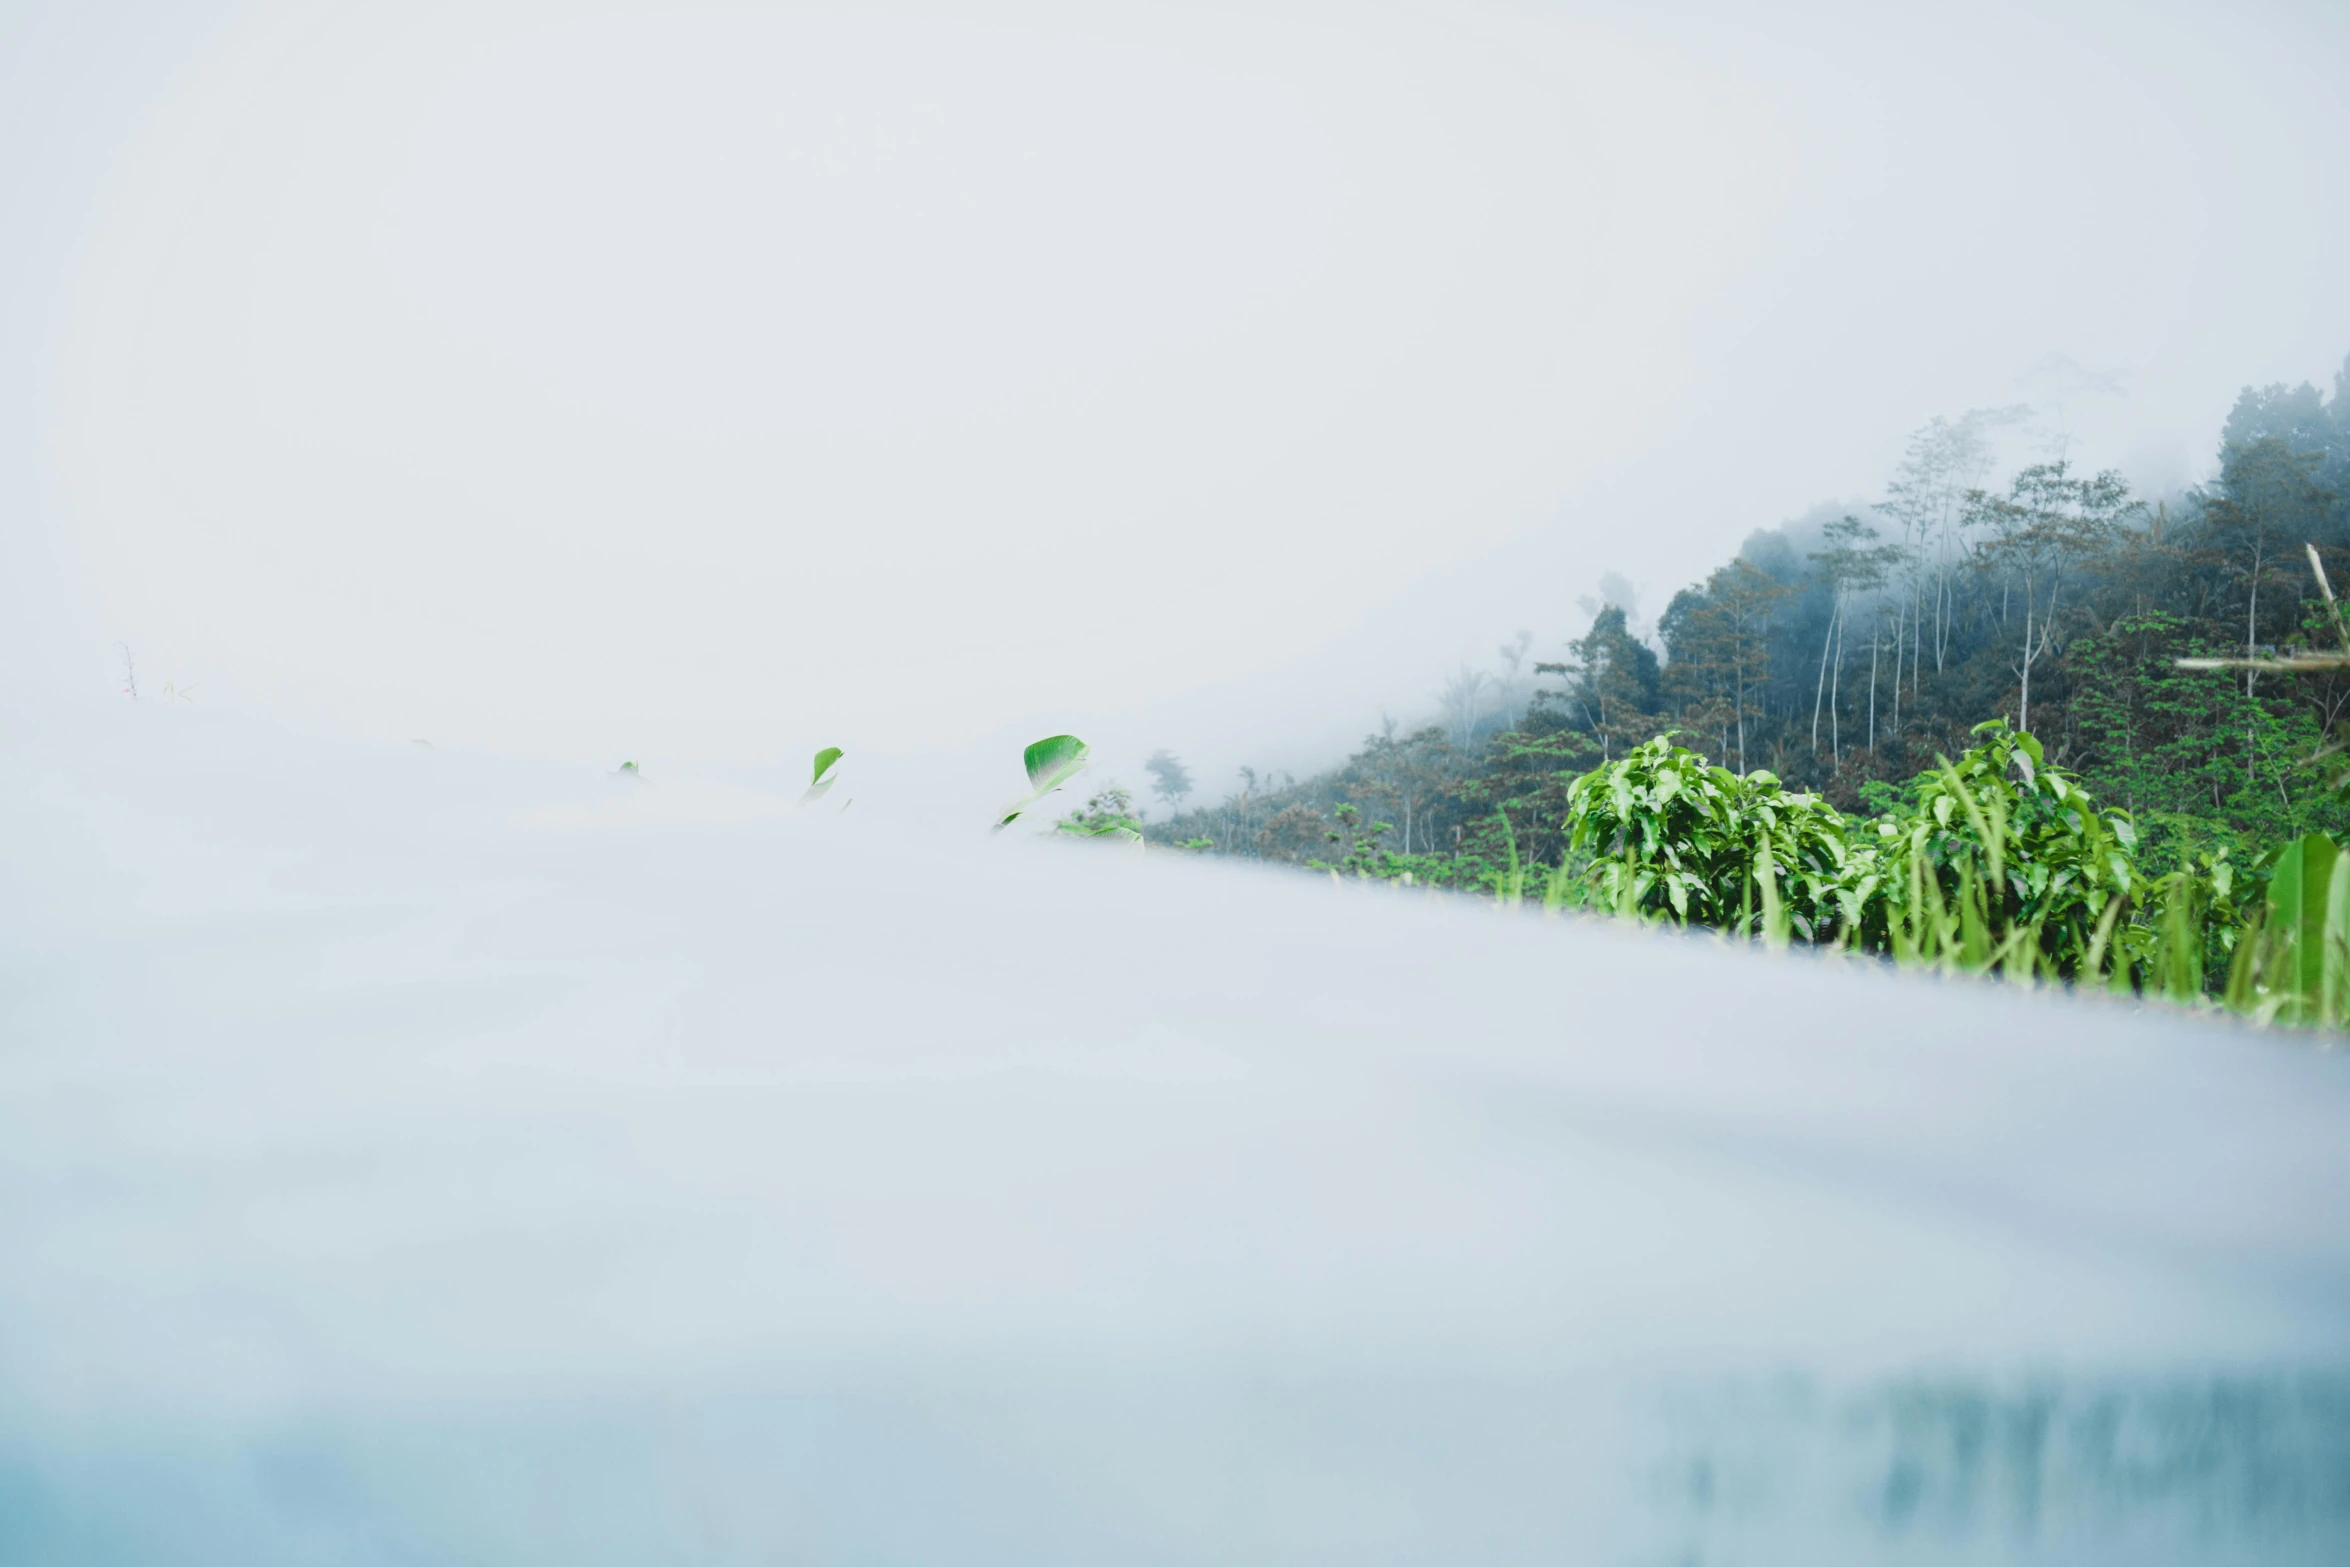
point(1845, 652)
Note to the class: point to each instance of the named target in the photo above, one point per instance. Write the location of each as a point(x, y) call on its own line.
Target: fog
point(409, 1157)
point(715, 383)
point(422, 1139)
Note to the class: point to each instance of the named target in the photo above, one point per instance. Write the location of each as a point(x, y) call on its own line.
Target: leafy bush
point(2292, 961)
point(1998, 860)
point(1108, 814)
point(1669, 835)
point(1995, 863)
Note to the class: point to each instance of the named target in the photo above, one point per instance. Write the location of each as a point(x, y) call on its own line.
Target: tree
point(1851, 567)
point(2170, 743)
point(1719, 639)
point(2040, 598)
point(1463, 703)
point(1292, 833)
point(2268, 503)
point(1927, 499)
point(2045, 524)
point(2301, 420)
point(1615, 679)
point(1170, 780)
point(1407, 774)
point(1510, 687)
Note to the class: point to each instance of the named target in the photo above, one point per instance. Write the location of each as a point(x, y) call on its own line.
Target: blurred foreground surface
point(410, 1158)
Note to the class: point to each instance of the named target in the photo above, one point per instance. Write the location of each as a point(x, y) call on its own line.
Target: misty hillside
point(1844, 652)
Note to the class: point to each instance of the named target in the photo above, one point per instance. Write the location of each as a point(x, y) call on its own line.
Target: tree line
point(1845, 652)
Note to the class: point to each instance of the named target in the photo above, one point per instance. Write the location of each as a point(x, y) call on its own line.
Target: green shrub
point(1108, 814)
point(2000, 861)
point(1671, 836)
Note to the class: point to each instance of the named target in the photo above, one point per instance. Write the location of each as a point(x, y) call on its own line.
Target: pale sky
point(715, 382)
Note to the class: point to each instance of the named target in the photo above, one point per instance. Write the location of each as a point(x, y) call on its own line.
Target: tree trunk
point(2024, 710)
point(1917, 646)
point(1900, 610)
point(2251, 621)
point(1835, 683)
point(1738, 676)
point(1941, 602)
point(1819, 692)
point(1875, 627)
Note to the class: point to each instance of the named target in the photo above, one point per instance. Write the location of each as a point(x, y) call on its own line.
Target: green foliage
point(1357, 843)
point(1051, 762)
point(1401, 778)
point(2293, 964)
point(1670, 836)
point(1963, 734)
point(1615, 688)
point(822, 776)
point(1512, 890)
point(1719, 637)
point(1995, 863)
point(2193, 753)
point(1109, 814)
point(1999, 860)
point(1524, 780)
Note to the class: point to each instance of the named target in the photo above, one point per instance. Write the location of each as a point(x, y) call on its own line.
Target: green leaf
point(823, 777)
point(2298, 898)
point(1053, 761)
